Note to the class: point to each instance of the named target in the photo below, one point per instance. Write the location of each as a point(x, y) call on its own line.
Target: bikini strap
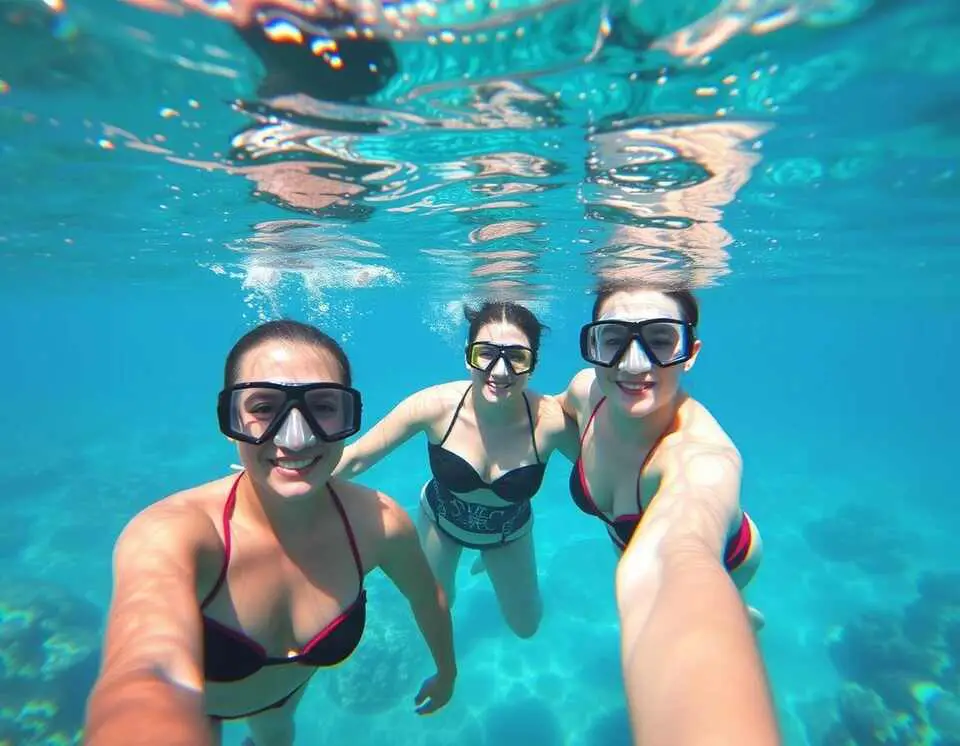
point(593, 414)
point(646, 459)
point(228, 508)
point(349, 529)
point(456, 414)
point(533, 430)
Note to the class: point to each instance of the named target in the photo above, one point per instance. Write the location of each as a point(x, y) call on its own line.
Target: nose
point(295, 433)
point(500, 369)
point(635, 360)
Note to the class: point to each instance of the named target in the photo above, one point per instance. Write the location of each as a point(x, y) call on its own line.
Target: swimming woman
point(228, 597)
point(648, 450)
point(488, 442)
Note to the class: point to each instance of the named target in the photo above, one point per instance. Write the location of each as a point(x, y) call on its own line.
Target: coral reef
point(901, 675)
point(857, 535)
point(49, 657)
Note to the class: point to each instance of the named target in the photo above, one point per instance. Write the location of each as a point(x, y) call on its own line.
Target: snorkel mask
point(659, 341)
point(294, 415)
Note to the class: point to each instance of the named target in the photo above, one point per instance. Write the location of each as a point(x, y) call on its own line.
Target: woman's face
point(296, 462)
point(500, 383)
point(636, 384)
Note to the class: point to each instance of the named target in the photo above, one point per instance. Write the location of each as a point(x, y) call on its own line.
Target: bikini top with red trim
point(621, 527)
point(230, 655)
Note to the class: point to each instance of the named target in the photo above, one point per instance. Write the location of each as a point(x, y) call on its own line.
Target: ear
point(697, 344)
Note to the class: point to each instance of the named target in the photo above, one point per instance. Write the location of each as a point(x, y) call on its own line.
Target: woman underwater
point(647, 448)
point(488, 442)
point(228, 597)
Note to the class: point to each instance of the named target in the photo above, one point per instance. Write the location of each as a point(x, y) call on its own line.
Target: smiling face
point(500, 383)
point(295, 462)
point(636, 385)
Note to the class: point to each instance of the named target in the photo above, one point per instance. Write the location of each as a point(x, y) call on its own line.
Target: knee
point(279, 731)
point(451, 593)
point(525, 624)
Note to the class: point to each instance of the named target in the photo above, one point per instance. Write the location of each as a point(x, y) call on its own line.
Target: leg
point(216, 731)
point(513, 571)
point(443, 553)
point(275, 727)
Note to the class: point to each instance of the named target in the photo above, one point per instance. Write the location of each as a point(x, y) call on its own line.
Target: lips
point(635, 388)
point(295, 466)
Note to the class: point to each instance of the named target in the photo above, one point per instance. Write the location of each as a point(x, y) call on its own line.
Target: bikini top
point(458, 475)
point(622, 527)
point(230, 655)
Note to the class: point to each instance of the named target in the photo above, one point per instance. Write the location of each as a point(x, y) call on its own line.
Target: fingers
point(421, 695)
point(426, 709)
point(430, 707)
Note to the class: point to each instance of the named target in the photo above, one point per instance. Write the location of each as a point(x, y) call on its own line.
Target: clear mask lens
point(665, 342)
point(328, 413)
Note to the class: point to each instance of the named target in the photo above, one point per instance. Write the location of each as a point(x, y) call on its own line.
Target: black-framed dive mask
point(255, 411)
point(484, 355)
point(665, 342)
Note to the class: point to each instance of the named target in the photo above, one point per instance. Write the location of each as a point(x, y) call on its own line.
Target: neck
point(645, 430)
point(495, 413)
point(283, 516)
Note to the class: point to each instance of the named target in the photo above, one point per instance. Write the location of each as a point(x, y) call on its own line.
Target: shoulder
point(373, 509)
point(702, 436)
point(575, 399)
point(434, 401)
point(548, 412)
point(179, 526)
point(580, 385)
point(379, 522)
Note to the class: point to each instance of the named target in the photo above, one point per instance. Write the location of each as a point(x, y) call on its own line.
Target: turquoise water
point(815, 210)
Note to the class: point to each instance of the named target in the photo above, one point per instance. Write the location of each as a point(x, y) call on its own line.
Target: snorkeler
point(488, 443)
point(228, 597)
point(647, 449)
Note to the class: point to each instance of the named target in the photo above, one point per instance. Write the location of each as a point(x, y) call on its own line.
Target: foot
point(478, 567)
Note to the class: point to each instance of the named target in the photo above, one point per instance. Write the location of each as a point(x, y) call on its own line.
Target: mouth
point(498, 388)
point(295, 467)
point(635, 388)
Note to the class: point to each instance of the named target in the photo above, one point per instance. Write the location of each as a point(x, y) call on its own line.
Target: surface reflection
point(473, 138)
point(659, 187)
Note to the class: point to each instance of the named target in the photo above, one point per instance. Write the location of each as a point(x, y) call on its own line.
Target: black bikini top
point(458, 475)
point(229, 655)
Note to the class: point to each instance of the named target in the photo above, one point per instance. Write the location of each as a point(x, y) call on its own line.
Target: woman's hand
point(435, 693)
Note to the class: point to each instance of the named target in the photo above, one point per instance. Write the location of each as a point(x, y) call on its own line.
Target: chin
point(295, 492)
point(638, 409)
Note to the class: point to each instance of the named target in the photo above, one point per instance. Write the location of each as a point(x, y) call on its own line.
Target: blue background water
point(829, 349)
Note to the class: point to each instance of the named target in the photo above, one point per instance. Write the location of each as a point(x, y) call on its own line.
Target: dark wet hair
point(284, 330)
point(512, 313)
point(684, 298)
